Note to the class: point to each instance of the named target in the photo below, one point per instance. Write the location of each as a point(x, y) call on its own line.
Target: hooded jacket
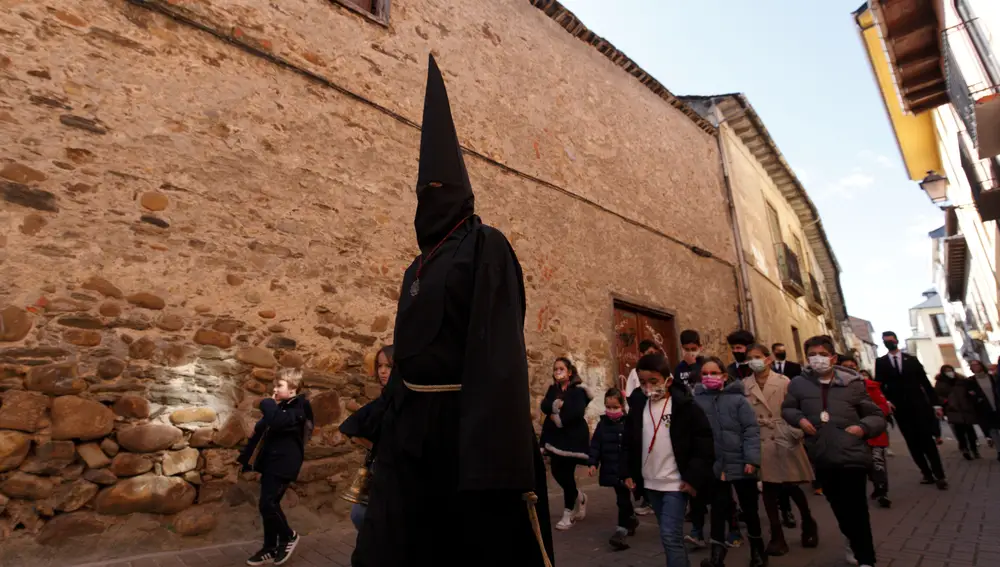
point(734, 429)
point(847, 403)
point(565, 432)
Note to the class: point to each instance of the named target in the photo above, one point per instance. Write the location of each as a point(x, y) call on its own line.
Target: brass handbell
point(357, 493)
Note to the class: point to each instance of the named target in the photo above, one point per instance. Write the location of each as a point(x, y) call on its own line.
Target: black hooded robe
point(454, 466)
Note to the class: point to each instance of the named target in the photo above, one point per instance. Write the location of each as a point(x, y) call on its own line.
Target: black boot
point(810, 533)
point(718, 558)
point(757, 556)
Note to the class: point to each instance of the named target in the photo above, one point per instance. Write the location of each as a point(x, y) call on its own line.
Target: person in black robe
point(458, 460)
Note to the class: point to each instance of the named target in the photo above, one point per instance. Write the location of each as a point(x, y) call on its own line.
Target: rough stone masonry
point(180, 216)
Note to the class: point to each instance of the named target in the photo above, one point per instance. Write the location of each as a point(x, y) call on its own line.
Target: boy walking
point(831, 406)
point(276, 450)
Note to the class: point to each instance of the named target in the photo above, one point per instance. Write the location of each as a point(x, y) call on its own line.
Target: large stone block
point(78, 418)
point(22, 410)
point(148, 493)
point(14, 447)
point(149, 437)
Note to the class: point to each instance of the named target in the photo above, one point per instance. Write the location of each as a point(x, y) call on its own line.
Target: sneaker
point(566, 522)
point(889, 453)
point(942, 484)
point(696, 539)
point(643, 509)
point(734, 539)
point(928, 480)
point(284, 552)
point(967, 455)
point(851, 560)
point(580, 510)
point(262, 557)
point(976, 455)
point(618, 541)
point(884, 501)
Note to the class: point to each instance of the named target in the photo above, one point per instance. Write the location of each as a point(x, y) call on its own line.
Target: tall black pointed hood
point(444, 193)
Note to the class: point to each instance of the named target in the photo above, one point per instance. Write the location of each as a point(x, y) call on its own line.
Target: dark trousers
point(626, 514)
point(723, 507)
point(276, 529)
point(844, 489)
point(879, 473)
point(967, 437)
point(564, 472)
point(784, 500)
point(773, 493)
point(919, 436)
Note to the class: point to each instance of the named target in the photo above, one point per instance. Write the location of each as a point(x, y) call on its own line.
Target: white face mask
point(950, 374)
point(757, 365)
point(819, 363)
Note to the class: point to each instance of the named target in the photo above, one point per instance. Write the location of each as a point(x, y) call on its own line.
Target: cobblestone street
point(924, 528)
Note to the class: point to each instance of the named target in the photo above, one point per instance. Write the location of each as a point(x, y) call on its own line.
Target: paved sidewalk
point(924, 528)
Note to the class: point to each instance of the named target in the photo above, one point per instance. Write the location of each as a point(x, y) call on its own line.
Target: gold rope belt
point(530, 499)
point(434, 388)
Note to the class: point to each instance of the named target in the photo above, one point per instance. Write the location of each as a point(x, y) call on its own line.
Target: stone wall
point(179, 217)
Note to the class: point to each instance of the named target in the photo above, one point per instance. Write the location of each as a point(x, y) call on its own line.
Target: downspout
point(747, 319)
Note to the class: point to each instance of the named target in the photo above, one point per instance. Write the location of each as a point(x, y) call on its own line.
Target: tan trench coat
point(782, 452)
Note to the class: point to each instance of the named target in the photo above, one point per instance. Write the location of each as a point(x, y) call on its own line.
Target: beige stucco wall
point(776, 311)
point(288, 205)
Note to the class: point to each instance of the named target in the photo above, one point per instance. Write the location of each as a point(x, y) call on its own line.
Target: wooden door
point(632, 326)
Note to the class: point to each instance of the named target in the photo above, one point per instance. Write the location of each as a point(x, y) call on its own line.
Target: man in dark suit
point(905, 384)
point(781, 366)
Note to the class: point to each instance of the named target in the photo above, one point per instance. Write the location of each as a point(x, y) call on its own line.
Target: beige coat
point(782, 452)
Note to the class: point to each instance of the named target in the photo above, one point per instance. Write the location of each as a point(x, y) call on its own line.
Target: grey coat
point(734, 427)
point(848, 404)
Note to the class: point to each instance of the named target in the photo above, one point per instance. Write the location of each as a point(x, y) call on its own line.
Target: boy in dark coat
point(605, 454)
point(276, 450)
point(831, 406)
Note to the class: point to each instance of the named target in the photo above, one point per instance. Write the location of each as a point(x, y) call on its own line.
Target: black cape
point(453, 467)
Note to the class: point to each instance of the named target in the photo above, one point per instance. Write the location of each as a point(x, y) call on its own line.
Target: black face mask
point(781, 356)
point(891, 345)
point(740, 357)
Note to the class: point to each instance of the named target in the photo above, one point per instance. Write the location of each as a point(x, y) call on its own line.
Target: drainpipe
point(743, 275)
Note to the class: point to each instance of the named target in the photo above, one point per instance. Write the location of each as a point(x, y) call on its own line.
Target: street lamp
point(936, 187)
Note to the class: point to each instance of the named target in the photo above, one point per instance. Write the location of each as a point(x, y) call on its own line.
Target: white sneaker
point(851, 560)
point(580, 510)
point(566, 522)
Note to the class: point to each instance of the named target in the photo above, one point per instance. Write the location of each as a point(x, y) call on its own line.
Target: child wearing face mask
point(605, 455)
point(687, 371)
point(668, 443)
point(739, 341)
point(362, 427)
point(566, 436)
point(831, 406)
point(736, 436)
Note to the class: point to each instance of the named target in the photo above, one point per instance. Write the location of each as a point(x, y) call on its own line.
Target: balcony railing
point(815, 298)
point(984, 180)
point(977, 102)
point(788, 267)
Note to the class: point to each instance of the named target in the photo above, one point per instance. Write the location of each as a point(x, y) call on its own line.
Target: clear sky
point(802, 66)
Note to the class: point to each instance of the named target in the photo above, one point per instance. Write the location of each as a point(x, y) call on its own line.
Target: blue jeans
point(669, 508)
point(358, 515)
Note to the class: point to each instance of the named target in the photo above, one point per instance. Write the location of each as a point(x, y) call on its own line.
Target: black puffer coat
point(565, 432)
point(606, 450)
